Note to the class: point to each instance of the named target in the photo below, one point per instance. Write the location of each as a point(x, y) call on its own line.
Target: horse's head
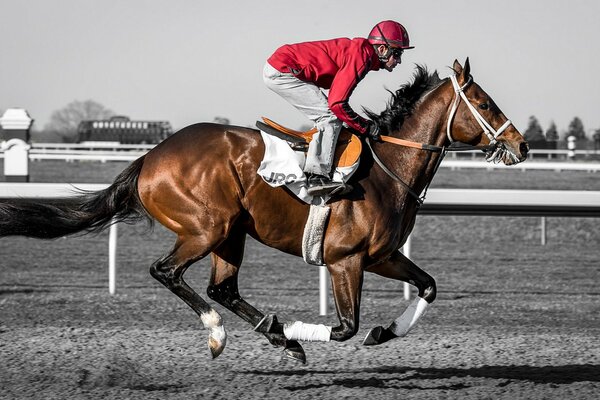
point(474, 118)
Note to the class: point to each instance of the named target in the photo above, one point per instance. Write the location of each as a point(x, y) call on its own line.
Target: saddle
point(347, 151)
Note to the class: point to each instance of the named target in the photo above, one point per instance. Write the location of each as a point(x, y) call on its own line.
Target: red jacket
point(337, 65)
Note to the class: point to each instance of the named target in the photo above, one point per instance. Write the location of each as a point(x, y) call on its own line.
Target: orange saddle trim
point(348, 148)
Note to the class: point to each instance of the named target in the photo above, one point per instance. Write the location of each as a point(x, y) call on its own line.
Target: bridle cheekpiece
point(459, 92)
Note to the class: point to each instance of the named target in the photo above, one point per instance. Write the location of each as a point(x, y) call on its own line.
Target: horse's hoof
point(378, 335)
point(267, 324)
point(294, 350)
point(216, 346)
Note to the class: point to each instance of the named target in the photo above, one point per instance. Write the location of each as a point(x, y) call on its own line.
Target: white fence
point(439, 202)
point(114, 151)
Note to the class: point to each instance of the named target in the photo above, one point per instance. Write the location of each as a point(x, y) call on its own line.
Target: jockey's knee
point(329, 119)
point(345, 331)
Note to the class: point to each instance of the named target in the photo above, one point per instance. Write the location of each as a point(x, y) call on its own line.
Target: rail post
point(323, 290)
point(16, 124)
point(543, 231)
point(112, 259)
point(572, 146)
point(406, 252)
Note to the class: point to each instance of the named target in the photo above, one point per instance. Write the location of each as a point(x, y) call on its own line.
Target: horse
point(201, 183)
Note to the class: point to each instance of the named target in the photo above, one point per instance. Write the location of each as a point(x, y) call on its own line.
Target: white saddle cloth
point(283, 166)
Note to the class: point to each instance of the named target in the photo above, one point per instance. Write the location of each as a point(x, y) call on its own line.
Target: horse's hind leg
point(399, 267)
point(169, 271)
point(223, 288)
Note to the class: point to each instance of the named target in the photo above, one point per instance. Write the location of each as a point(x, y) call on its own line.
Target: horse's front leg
point(346, 280)
point(401, 268)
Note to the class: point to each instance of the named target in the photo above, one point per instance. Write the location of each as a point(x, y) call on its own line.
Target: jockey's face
point(394, 57)
point(391, 63)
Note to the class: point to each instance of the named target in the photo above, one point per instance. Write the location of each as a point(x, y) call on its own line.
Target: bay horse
point(201, 183)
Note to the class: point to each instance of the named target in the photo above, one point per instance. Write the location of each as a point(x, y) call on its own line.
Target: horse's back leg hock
point(223, 288)
point(400, 268)
point(169, 271)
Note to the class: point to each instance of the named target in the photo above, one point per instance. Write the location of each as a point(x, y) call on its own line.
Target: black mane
point(403, 101)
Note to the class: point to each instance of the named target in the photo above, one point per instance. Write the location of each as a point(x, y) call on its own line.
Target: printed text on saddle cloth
point(283, 166)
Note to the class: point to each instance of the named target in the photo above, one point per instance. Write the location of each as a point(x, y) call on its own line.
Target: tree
point(534, 132)
point(596, 138)
point(552, 133)
point(221, 120)
point(576, 129)
point(64, 122)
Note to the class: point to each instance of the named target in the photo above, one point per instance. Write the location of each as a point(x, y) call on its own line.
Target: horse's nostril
point(524, 149)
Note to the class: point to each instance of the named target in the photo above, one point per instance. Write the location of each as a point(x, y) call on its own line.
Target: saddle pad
point(282, 166)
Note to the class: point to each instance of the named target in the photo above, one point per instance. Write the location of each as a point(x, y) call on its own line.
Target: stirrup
point(320, 185)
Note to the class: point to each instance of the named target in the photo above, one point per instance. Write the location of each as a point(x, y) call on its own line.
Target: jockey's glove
point(373, 131)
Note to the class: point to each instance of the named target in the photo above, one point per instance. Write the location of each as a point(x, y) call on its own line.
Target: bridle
point(459, 93)
point(492, 150)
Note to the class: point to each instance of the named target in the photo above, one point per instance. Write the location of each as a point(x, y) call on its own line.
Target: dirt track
point(513, 319)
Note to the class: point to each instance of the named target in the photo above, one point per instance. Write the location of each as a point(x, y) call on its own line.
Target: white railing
point(439, 202)
point(70, 152)
point(530, 165)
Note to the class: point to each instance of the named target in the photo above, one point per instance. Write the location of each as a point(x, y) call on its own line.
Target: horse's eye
point(484, 106)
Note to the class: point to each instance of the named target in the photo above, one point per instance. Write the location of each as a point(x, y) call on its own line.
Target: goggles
point(397, 53)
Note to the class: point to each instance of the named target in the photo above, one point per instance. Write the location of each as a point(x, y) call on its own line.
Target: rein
point(489, 131)
point(391, 174)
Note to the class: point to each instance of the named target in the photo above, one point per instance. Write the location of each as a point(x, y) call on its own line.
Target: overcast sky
point(188, 61)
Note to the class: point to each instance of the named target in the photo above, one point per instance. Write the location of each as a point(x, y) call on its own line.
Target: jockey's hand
point(373, 131)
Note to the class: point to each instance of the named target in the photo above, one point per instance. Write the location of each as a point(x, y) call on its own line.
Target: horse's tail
point(87, 212)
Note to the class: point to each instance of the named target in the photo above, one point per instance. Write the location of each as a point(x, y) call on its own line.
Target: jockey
point(298, 72)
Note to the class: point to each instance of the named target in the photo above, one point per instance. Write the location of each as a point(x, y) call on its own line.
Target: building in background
point(121, 129)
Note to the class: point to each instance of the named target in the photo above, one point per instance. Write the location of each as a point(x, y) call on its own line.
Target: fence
point(542, 203)
point(114, 151)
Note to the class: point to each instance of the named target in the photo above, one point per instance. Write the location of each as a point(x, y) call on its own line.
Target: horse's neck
point(417, 167)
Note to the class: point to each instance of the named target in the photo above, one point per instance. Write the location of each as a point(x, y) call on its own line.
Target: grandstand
point(121, 129)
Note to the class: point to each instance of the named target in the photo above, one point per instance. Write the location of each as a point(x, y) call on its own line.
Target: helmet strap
point(384, 57)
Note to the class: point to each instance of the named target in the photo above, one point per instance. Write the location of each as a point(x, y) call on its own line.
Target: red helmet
point(390, 33)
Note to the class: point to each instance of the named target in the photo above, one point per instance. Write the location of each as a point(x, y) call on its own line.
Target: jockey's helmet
point(390, 33)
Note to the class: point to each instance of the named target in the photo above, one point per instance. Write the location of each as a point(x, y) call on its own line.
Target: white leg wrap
point(307, 332)
point(409, 318)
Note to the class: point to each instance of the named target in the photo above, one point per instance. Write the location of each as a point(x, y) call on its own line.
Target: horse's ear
point(457, 67)
point(466, 69)
point(462, 73)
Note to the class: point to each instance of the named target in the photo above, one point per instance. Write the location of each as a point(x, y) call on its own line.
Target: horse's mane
point(402, 103)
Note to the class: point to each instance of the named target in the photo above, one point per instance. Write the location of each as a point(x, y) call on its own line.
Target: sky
point(189, 61)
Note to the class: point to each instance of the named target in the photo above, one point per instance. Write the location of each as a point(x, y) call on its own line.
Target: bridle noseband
point(489, 131)
point(459, 92)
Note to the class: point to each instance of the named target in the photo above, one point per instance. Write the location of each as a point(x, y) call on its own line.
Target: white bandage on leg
point(409, 318)
point(307, 332)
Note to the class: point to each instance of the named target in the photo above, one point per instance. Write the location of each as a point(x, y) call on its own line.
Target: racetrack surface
point(513, 319)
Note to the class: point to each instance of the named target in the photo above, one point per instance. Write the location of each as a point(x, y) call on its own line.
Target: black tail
point(88, 212)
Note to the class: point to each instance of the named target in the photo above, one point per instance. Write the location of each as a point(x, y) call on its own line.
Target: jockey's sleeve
point(343, 85)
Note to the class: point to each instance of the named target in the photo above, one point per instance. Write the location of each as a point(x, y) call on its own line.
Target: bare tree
point(64, 122)
point(221, 120)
